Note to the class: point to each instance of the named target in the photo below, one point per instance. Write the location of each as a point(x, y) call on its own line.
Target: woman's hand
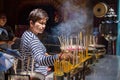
point(10, 42)
point(15, 38)
point(46, 54)
point(66, 56)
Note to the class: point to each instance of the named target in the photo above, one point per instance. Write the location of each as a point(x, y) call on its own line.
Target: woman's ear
point(31, 23)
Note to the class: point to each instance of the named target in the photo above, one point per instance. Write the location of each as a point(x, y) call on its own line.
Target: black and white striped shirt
point(31, 45)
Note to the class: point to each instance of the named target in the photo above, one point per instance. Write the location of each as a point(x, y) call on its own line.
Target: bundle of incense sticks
point(74, 44)
point(32, 66)
point(91, 39)
point(69, 44)
point(78, 46)
point(81, 50)
point(86, 45)
point(80, 56)
point(28, 64)
point(15, 65)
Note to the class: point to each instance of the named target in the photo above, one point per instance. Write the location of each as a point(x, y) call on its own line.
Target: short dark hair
point(37, 14)
point(3, 15)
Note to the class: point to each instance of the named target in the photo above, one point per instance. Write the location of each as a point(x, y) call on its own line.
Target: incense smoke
point(75, 19)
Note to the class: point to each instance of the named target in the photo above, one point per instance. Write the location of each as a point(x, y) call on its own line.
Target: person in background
point(7, 37)
point(33, 47)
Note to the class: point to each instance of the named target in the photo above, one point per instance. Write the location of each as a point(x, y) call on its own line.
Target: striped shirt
point(31, 46)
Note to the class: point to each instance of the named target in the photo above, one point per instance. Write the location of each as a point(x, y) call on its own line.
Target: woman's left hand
point(10, 42)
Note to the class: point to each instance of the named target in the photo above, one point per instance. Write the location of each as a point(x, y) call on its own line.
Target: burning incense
point(28, 64)
point(15, 65)
point(86, 46)
point(80, 36)
point(91, 39)
point(32, 66)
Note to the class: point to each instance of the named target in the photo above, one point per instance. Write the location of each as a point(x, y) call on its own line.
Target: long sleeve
point(38, 50)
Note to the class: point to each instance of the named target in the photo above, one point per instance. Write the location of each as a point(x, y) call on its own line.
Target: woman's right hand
point(66, 56)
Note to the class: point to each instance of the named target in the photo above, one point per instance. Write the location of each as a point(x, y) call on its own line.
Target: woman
point(32, 46)
point(7, 37)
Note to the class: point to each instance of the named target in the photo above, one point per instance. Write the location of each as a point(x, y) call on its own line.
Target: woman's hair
point(37, 14)
point(3, 15)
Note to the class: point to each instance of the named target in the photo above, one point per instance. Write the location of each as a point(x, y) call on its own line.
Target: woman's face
point(3, 20)
point(38, 26)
